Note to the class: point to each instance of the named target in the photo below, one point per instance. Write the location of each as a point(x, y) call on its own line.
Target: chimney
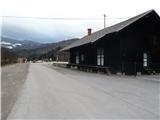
point(89, 31)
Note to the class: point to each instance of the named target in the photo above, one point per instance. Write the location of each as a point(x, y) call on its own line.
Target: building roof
point(101, 33)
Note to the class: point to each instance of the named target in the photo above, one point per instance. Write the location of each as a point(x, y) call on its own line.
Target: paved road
point(57, 93)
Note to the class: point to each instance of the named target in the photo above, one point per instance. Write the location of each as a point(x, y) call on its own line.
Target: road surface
point(58, 93)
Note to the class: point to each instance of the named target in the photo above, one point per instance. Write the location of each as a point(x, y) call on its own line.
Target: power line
point(52, 18)
point(59, 18)
point(104, 20)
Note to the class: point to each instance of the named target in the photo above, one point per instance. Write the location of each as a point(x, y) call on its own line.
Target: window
point(82, 57)
point(145, 61)
point(100, 56)
point(77, 58)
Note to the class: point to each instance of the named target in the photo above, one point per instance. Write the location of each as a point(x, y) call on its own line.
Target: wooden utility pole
point(104, 20)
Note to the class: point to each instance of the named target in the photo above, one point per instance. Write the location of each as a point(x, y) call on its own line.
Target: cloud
point(43, 30)
point(47, 30)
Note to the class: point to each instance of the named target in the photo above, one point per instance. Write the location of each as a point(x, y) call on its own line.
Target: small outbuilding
point(21, 60)
point(128, 47)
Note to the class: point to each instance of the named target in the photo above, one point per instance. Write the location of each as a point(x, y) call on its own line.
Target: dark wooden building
point(128, 47)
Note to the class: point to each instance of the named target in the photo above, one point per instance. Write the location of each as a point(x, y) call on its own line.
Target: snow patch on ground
point(9, 45)
point(5, 43)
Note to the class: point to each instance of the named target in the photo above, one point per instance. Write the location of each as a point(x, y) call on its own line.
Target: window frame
point(77, 58)
point(82, 57)
point(145, 59)
point(100, 56)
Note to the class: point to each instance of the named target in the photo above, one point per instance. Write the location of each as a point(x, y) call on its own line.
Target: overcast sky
point(51, 30)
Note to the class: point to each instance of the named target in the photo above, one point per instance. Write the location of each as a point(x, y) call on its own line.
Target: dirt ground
point(12, 79)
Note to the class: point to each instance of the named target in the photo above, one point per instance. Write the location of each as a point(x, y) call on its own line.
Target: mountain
point(34, 50)
point(46, 49)
point(50, 46)
point(17, 44)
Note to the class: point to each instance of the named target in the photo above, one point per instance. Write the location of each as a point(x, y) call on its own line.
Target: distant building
point(22, 60)
point(128, 47)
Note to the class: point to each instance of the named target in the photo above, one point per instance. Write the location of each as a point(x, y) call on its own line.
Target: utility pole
point(104, 20)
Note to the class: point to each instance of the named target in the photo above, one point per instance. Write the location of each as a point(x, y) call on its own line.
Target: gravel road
point(59, 93)
point(12, 79)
